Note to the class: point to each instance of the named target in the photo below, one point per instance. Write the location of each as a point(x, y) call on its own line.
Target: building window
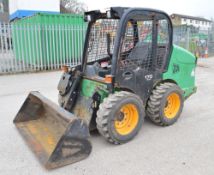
point(190, 20)
point(184, 19)
point(202, 22)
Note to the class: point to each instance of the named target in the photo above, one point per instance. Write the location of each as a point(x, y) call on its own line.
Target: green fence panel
point(49, 40)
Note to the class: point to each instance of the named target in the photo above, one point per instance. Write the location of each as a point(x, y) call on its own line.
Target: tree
point(72, 6)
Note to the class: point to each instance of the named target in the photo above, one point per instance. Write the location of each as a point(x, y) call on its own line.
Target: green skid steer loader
point(130, 69)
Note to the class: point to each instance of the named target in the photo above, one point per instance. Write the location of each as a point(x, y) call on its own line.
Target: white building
point(199, 22)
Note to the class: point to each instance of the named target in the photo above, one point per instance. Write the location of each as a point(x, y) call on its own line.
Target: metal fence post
point(187, 38)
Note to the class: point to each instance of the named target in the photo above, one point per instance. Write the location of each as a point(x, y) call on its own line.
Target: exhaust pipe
point(56, 136)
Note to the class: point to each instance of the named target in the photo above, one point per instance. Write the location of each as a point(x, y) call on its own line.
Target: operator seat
point(141, 51)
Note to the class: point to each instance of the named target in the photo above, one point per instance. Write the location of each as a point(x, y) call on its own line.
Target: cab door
point(140, 65)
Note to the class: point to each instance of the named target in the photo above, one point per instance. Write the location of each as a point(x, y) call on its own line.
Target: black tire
point(158, 103)
point(110, 110)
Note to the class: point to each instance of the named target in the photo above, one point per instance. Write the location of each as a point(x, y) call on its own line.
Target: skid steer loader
point(130, 69)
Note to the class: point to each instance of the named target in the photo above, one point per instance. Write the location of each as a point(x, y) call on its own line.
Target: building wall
point(203, 25)
point(13, 6)
point(176, 21)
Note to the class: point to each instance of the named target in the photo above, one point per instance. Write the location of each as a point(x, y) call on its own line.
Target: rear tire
point(120, 117)
point(165, 104)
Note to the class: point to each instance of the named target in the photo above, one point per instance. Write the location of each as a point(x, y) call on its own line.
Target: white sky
point(202, 8)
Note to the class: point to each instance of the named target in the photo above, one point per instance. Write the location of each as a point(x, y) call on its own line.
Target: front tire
point(120, 117)
point(165, 104)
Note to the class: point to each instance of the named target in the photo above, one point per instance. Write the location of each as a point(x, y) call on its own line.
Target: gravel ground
point(185, 148)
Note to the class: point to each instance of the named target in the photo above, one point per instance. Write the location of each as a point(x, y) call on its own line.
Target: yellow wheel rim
point(172, 106)
point(126, 119)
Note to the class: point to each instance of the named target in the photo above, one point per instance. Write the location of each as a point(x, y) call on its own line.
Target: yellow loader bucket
point(56, 136)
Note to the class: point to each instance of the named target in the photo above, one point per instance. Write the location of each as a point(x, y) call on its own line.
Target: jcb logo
point(176, 68)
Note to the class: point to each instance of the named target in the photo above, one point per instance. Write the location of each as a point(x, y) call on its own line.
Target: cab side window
point(137, 44)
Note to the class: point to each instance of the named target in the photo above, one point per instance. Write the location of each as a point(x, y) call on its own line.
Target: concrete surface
point(186, 148)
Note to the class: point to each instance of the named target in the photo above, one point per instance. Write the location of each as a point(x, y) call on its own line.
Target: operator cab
point(121, 39)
